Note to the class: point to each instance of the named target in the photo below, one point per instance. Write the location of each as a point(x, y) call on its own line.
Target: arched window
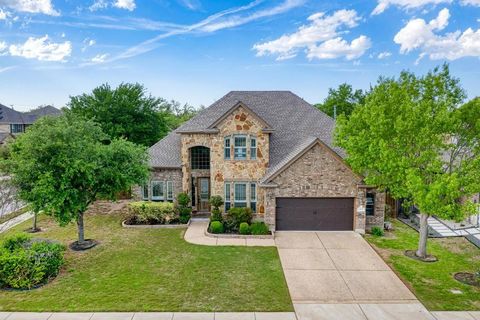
point(200, 157)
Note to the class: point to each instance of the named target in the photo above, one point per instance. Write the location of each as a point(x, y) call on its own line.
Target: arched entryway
point(200, 178)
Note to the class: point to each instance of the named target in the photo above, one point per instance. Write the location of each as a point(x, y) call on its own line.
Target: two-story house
point(14, 122)
point(270, 151)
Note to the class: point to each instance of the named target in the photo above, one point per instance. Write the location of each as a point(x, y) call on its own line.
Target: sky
point(195, 51)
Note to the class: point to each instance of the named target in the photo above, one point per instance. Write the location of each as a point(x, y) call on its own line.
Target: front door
point(203, 194)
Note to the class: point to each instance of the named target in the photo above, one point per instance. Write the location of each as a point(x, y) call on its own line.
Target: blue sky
point(195, 51)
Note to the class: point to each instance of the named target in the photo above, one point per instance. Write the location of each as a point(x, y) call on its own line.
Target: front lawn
point(432, 282)
point(153, 270)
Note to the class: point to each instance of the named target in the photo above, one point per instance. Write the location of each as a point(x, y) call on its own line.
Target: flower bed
point(149, 214)
point(237, 223)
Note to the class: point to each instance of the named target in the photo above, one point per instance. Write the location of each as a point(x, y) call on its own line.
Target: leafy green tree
point(63, 164)
point(175, 113)
point(342, 100)
point(413, 138)
point(124, 112)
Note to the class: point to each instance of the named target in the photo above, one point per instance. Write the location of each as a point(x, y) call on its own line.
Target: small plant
point(216, 202)
point(377, 231)
point(235, 216)
point(216, 227)
point(184, 208)
point(244, 228)
point(259, 228)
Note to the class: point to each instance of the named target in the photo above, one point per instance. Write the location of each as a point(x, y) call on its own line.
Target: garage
point(322, 214)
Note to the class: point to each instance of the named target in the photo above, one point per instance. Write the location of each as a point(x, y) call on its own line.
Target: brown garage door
point(323, 214)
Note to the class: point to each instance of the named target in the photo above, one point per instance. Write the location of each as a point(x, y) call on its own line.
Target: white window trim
point(235, 147)
point(162, 196)
point(253, 148)
point(229, 148)
point(170, 191)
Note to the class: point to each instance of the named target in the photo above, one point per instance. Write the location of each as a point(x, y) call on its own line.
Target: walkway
point(443, 230)
point(15, 221)
point(196, 234)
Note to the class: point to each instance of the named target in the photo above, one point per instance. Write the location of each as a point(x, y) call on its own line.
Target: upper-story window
point(240, 147)
point(200, 157)
point(17, 128)
point(227, 148)
point(253, 148)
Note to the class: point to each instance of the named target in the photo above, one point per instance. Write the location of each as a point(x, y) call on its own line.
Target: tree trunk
point(423, 236)
point(34, 227)
point(81, 234)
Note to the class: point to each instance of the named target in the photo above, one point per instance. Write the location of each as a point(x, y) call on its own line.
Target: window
point(170, 191)
point(240, 147)
point(227, 197)
point(200, 158)
point(253, 148)
point(240, 195)
point(145, 192)
point(370, 204)
point(253, 197)
point(157, 191)
point(16, 128)
point(227, 148)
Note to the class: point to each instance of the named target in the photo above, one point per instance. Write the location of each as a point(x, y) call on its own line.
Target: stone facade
point(378, 217)
point(319, 173)
point(174, 175)
point(240, 121)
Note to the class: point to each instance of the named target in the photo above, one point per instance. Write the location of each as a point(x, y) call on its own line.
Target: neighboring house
point(270, 151)
point(14, 122)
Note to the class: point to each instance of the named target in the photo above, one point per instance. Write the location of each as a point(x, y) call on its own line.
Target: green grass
point(153, 270)
point(432, 282)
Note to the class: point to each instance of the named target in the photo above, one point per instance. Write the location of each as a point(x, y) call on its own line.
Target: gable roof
point(9, 115)
point(240, 104)
point(294, 121)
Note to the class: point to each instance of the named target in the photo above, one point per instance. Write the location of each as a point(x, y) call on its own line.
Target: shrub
point(216, 227)
point(184, 208)
point(377, 231)
point(259, 228)
point(146, 212)
point(244, 228)
point(28, 263)
point(235, 216)
point(216, 215)
point(216, 201)
point(183, 199)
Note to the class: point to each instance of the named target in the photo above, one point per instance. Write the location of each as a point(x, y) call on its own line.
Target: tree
point(63, 164)
point(342, 100)
point(175, 114)
point(413, 138)
point(124, 112)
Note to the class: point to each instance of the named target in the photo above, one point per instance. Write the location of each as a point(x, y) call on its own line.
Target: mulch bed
point(413, 255)
point(468, 278)
point(85, 245)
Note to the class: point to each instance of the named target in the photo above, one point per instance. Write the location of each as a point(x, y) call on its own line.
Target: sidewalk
point(149, 316)
point(15, 221)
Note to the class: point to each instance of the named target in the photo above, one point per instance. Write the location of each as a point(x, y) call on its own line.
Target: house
point(270, 151)
point(14, 122)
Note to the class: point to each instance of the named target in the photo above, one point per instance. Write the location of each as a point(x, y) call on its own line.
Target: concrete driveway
point(337, 267)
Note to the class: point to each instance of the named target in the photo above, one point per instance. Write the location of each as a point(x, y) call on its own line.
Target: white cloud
point(31, 6)
point(98, 5)
point(190, 4)
point(383, 55)
point(99, 58)
point(419, 35)
point(382, 5)
point(87, 42)
point(338, 47)
point(3, 47)
point(42, 49)
point(320, 38)
point(475, 3)
point(125, 4)
point(3, 15)
point(7, 68)
point(121, 4)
